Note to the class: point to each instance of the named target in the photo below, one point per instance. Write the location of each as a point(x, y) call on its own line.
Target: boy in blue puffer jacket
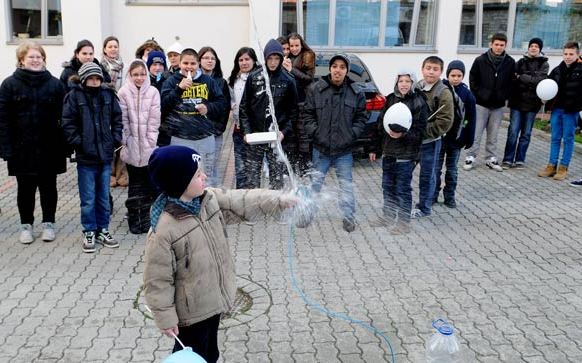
point(461, 134)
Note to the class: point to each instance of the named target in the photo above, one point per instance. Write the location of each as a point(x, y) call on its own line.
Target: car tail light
point(376, 103)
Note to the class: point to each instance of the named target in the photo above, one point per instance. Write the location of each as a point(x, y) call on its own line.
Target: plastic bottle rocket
point(189, 75)
point(443, 346)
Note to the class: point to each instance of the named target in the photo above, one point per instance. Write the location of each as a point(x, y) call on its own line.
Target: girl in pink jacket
point(140, 105)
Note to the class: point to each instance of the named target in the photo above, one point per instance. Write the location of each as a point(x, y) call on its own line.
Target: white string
point(174, 335)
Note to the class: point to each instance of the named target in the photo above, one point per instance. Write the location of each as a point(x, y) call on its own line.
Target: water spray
point(301, 191)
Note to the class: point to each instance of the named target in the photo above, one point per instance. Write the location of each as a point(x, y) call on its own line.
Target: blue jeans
point(429, 154)
point(343, 165)
point(520, 126)
point(94, 194)
point(397, 188)
point(239, 152)
point(563, 127)
point(449, 156)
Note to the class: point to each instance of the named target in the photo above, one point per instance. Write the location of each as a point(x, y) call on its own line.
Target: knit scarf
point(496, 59)
point(158, 207)
point(115, 66)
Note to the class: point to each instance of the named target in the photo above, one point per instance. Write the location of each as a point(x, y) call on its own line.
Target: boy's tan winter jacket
point(189, 271)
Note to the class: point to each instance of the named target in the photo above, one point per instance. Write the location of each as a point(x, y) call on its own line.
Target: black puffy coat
point(334, 116)
point(491, 85)
point(92, 123)
point(221, 122)
point(406, 147)
point(254, 105)
point(569, 79)
point(529, 71)
point(31, 138)
point(71, 68)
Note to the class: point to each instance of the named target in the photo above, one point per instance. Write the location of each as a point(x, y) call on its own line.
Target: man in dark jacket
point(92, 125)
point(255, 115)
point(565, 108)
point(490, 81)
point(335, 116)
point(524, 103)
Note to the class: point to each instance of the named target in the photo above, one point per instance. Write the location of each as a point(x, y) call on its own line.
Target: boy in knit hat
point(189, 273)
point(461, 134)
point(93, 127)
point(157, 67)
point(524, 103)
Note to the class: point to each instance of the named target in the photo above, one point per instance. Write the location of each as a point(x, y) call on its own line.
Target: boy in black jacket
point(92, 125)
point(400, 152)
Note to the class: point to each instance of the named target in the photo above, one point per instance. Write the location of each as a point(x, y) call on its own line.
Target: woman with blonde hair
point(31, 138)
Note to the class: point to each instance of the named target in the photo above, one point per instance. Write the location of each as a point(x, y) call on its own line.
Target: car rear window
point(357, 72)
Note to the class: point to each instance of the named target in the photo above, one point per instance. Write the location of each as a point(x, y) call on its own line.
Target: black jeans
point(202, 337)
point(254, 166)
point(47, 186)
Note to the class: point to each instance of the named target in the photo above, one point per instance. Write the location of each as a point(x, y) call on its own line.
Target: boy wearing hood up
point(191, 101)
point(254, 115)
point(400, 148)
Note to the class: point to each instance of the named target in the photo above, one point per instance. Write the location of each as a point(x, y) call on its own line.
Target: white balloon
point(547, 89)
point(398, 114)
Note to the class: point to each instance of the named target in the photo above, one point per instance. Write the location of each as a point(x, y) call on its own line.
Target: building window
point(555, 21)
point(186, 2)
point(361, 23)
point(38, 19)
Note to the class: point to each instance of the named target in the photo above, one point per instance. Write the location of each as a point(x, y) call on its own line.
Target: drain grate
point(242, 303)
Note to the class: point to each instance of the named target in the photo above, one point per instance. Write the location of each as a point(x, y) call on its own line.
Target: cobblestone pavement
point(504, 268)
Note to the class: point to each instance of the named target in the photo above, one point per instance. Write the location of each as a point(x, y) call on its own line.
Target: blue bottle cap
point(445, 328)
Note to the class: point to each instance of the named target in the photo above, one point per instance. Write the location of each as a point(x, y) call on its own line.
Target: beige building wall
point(226, 28)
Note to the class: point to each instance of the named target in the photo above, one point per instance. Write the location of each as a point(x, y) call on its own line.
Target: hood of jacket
point(408, 72)
point(274, 47)
point(131, 82)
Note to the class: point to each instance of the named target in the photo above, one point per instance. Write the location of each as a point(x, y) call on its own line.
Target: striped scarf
point(158, 207)
point(114, 66)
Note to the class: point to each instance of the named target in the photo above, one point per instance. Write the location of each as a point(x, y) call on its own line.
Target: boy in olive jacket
point(189, 272)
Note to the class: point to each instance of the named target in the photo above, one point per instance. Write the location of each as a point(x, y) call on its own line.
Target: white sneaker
point(48, 232)
point(251, 222)
point(469, 160)
point(26, 236)
point(493, 164)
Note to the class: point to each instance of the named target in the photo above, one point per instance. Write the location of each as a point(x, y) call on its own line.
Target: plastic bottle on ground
point(443, 346)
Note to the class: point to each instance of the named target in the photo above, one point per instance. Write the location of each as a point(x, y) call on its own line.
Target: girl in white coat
point(140, 105)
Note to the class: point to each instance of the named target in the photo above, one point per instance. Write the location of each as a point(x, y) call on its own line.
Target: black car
point(360, 74)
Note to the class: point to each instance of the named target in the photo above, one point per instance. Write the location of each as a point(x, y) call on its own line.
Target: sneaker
point(349, 224)
point(48, 232)
point(251, 222)
point(520, 165)
point(417, 213)
point(26, 236)
point(89, 242)
point(450, 203)
point(576, 183)
point(104, 237)
point(506, 165)
point(493, 164)
point(469, 160)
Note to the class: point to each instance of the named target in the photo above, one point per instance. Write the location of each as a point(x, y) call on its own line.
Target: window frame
point(510, 31)
point(187, 2)
point(45, 39)
point(411, 47)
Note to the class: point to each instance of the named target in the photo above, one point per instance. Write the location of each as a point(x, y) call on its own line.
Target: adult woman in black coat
point(31, 138)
